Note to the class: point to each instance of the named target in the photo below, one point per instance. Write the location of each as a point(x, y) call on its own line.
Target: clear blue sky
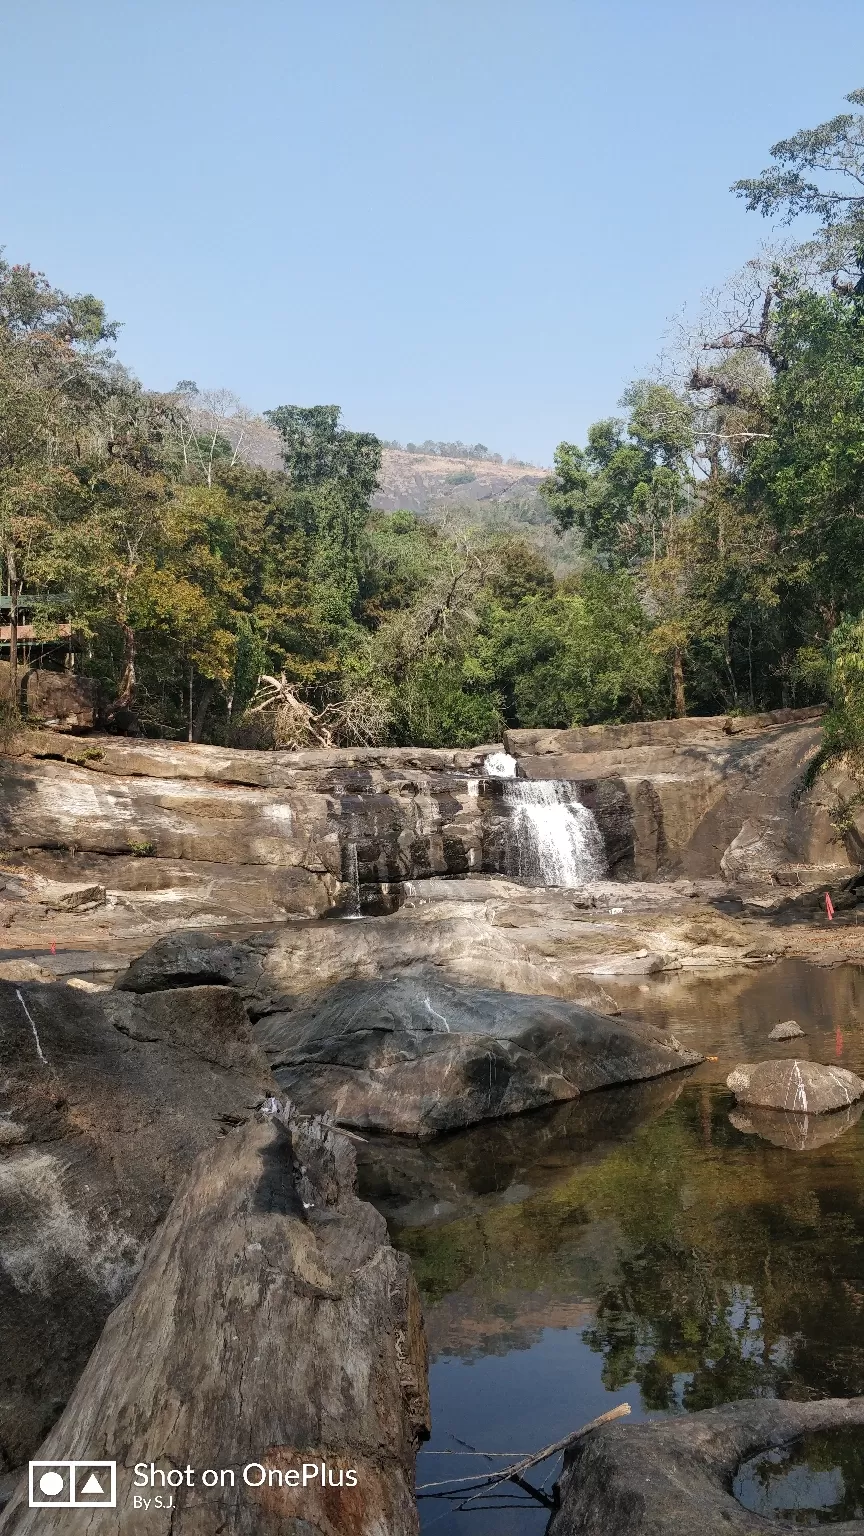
point(456, 218)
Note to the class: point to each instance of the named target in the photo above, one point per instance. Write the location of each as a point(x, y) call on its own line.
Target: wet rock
point(272, 1323)
point(786, 1031)
point(673, 1477)
point(414, 1055)
point(802, 1087)
point(105, 1100)
point(799, 1133)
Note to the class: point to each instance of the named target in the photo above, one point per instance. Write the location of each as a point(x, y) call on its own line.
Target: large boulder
point(802, 1087)
point(191, 958)
point(673, 1477)
point(272, 1326)
point(105, 1100)
point(414, 1055)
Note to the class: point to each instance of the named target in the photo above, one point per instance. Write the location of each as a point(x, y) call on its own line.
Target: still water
point(639, 1246)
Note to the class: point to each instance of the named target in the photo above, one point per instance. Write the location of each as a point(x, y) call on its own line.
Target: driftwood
point(515, 1472)
point(272, 1324)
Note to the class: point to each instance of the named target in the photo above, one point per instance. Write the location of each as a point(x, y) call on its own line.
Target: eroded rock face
point(413, 1055)
point(801, 1087)
point(706, 795)
point(180, 833)
point(673, 1477)
point(105, 1100)
point(272, 1323)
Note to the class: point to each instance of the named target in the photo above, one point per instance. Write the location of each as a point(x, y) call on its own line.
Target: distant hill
point(419, 482)
point(453, 492)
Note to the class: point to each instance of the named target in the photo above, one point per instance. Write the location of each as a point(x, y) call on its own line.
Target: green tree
point(338, 472)
point(55, 378)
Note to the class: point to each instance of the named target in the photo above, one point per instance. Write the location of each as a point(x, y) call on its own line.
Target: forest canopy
point(720, 519)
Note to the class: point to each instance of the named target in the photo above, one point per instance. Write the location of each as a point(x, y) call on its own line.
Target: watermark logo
point(68, 1484)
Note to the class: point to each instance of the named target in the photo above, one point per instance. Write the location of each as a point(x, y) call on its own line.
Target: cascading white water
point(555, 839)
point(353, 906)
point(499, 765)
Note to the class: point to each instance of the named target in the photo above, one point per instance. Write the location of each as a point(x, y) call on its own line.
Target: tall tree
point(55, 377)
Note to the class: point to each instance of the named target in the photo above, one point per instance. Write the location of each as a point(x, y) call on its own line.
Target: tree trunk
point(14, 594)
point(128, 681)
point(679, 702)
point(202, 709)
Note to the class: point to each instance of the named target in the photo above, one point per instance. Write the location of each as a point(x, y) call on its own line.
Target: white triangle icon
point(92, 1485)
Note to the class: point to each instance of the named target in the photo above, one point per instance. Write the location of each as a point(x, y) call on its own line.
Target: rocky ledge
point(673, 1477)
point(160, 834)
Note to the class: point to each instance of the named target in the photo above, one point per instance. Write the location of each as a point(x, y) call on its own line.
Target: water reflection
point(640, 1244)
point(817, 1479)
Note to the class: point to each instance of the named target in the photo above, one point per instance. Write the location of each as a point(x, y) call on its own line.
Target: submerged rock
point(786, 1031)
point(105, 1101)
point(800, 1133)
point(272, 1323)
point(803, 1087)
point(673, 1477)
point(413, 1055)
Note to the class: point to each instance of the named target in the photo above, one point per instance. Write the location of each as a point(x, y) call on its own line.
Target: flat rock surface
point(272, 1323)
point(673, 1477)
point(105, 1100)
point(802, 1087)
point(414, 1055)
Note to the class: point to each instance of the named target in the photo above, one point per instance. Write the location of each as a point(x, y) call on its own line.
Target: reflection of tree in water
point(751, 1281)
point(818, 1471)
point(718, 1266)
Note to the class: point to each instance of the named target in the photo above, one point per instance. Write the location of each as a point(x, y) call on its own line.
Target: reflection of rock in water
point(504, 1162)
point(800, 1133)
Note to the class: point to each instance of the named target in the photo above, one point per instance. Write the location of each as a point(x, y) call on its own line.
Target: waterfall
point(500, 765)
point(352, 908)
point(555, 839)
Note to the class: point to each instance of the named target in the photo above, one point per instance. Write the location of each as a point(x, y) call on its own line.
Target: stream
point(636, 1246)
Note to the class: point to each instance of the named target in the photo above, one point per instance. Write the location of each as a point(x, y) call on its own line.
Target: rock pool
point(638, 1245)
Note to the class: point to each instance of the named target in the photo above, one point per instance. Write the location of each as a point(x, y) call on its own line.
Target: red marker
point(829, 906)
point(53, 946)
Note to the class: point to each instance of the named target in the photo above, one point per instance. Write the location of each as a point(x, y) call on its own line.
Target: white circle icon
point(51, 1483)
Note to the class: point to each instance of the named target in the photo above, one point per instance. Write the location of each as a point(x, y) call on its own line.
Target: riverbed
point(649, 1245)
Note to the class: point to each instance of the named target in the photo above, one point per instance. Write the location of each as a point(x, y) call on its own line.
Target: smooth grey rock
point(414, 1055)
point(272, 1323)
point(787, 1031)
point(190, 958)
point(105, 1100)
point(802, 1087)
point(673, 1477)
